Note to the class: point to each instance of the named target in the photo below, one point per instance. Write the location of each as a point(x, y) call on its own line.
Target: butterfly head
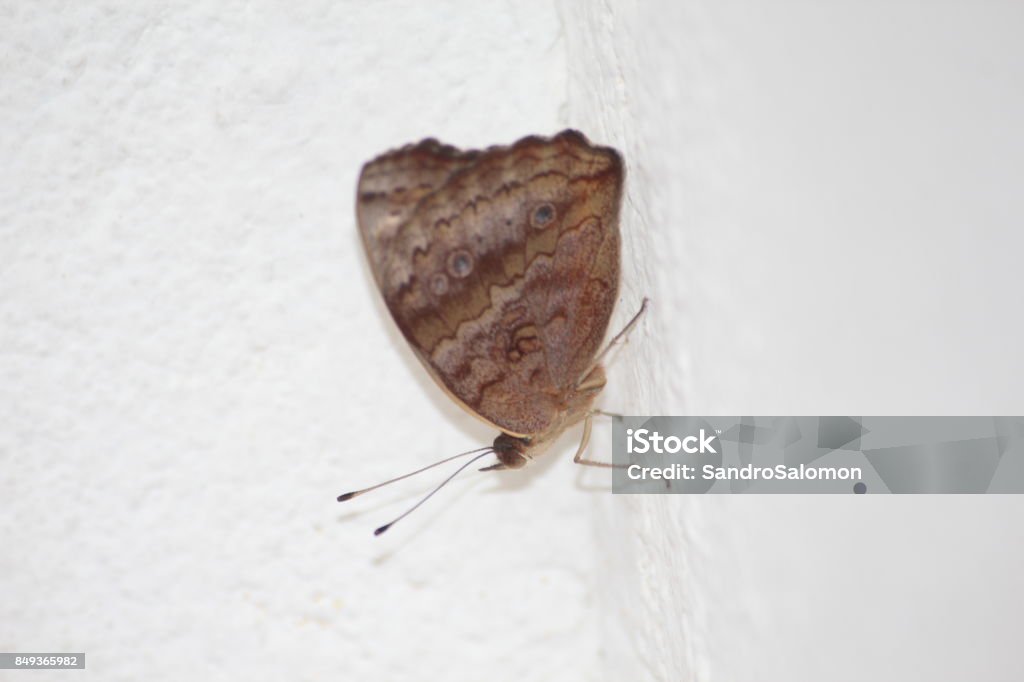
point(513, 452)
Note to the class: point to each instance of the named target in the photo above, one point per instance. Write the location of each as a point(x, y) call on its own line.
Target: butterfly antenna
point(445, 482)
point(357, 493)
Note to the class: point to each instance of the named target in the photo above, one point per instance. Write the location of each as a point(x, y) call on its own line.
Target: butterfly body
point(501, 269)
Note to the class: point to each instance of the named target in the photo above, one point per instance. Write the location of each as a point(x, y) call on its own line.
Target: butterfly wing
point(500, 267)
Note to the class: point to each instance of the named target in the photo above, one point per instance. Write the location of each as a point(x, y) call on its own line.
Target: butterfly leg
point(622, 334)
point(593, 380)
point(580, 459)
point(603, 413)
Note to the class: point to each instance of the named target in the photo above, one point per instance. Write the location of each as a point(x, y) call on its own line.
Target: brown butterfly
point(501, 269)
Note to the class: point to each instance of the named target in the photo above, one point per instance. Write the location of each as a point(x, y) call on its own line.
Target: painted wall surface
point(829, 207)
point(194, 361)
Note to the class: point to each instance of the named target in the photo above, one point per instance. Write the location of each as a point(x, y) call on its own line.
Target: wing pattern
point(500, 267)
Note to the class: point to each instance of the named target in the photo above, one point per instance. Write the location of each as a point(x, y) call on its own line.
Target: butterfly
point(501, 269)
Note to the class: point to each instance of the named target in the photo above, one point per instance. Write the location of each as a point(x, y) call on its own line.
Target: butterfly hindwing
point(501, 267)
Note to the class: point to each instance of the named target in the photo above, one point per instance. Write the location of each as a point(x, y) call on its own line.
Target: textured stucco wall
point(195, 361)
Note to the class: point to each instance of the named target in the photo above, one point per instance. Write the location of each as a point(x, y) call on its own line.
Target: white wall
point(828, 199)
point(194, 361)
